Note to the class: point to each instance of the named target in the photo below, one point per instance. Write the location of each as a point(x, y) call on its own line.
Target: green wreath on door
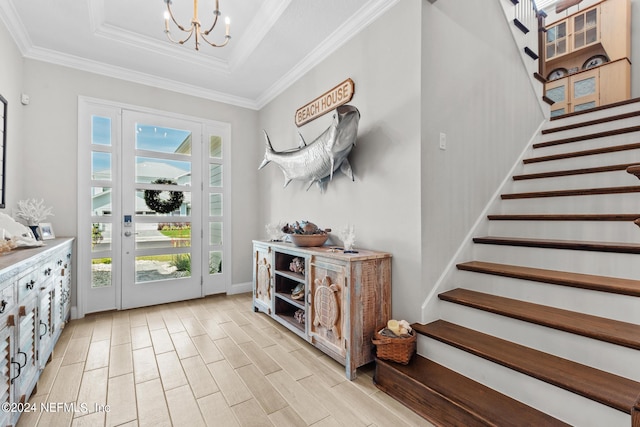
point(158, 204)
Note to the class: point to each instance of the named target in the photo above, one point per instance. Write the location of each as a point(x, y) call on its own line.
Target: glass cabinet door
point(584, 88)
point(556, 42)
point(585, 29)
point(557, 91)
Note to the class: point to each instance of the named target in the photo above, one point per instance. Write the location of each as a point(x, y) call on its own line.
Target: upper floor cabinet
point(595, 38)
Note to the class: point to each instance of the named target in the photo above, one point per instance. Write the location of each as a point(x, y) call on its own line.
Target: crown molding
point(365, 16)
point(108, 70)
point(14, 25)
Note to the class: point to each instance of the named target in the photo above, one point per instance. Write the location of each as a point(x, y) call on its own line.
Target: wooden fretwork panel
point(263, 279)
point(328, 306)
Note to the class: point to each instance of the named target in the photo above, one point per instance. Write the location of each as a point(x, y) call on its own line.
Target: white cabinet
point(34, 306)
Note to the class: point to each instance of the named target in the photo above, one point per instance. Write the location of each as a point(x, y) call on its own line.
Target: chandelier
point(195, 28)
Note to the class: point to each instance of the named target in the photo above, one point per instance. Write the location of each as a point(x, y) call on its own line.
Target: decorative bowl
point(309, 239)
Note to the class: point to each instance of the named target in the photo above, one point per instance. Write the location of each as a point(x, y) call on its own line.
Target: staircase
point(541, 327)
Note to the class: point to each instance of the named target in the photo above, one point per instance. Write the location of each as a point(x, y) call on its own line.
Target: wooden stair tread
point(599, 328)
point(564, 278)
point(578, 245)
point(591, 152)
point(574, 192)
point(432, 391)
point(564, 217)
point(592, 122)
point(594, 135)
point(569, 172)
point(609, 389)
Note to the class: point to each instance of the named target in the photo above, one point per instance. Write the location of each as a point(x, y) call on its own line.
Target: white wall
point(475, 90)
point(384, 201)
point(10, 88)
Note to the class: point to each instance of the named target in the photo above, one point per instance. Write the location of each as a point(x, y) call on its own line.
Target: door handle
point(127, 233)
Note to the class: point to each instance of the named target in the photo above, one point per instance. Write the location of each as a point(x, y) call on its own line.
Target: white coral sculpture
point(33, 211)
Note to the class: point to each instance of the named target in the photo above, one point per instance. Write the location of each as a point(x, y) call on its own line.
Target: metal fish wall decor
point(317, 161)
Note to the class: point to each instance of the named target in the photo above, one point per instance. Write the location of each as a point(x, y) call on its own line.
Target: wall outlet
point(443, 141)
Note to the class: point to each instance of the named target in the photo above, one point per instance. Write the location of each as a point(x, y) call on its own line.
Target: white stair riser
point(596, 303)
point(586, 351)
point(585, 262)
point(593, 115)
point(588, 130)
point(614, 231)
point(589, 144)
point(582, 162)
point(586, 204)
point(553, 400)
point(619, 178)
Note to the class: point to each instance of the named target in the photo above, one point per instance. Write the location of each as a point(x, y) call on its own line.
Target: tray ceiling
point(274, 42)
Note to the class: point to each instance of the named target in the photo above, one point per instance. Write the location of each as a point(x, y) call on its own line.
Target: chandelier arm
point(215, 21)
point(226, 40)
point(173, 18)
point(195, 27)
point(168, 33)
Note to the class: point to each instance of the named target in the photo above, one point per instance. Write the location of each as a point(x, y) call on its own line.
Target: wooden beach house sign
point(330, 100)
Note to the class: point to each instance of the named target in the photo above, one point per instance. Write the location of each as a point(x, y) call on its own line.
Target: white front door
point(161, 210)
point(159, 198)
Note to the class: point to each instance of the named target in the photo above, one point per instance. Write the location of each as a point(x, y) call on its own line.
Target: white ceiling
point(274, 42)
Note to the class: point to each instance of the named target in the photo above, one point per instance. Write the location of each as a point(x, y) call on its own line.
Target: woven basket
point(399, 350)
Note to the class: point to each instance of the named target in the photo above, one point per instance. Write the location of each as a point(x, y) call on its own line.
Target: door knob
point(127, 233)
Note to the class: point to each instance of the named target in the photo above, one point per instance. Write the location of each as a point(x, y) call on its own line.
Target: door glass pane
point(584, 87)
point(149, 169)
point(215, 233)
point(585, 106)
point(162, 139)
point(100, 130)
point(215, 204)
point(578, 23)
point(162, 201)
point(556, 94)
point(558, 112)
point(562, 46)
point(592, 17)
point(551, 34)
point(215, 147)
point(215, 175)
point(215, 262)
point(163, 235)
point(100, 236)
point(101, 201)
point(562, 30)
point(162, 267)
point(100, 166)
point(592, 35)
point(551, 50)
point(578, 40)
point(100, 272)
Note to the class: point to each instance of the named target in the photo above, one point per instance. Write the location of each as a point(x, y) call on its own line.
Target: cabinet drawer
point(29, 284)
point(7, 300)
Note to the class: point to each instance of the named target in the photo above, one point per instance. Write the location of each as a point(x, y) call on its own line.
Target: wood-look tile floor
point(205, 362)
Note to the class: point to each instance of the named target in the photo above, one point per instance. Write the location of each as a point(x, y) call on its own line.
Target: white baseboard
point(240, 288)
